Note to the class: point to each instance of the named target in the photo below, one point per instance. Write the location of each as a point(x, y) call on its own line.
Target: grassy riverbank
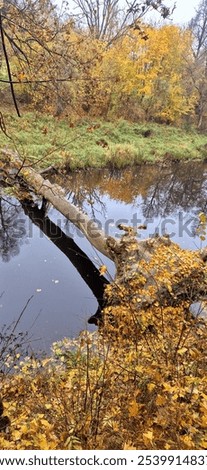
point(95, 143)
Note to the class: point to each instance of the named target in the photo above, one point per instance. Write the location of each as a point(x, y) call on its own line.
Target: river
point(47, 286)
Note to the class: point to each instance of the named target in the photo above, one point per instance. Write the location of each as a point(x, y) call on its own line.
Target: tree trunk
point(56, 196)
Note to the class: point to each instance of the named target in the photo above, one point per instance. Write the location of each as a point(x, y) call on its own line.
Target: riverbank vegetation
point(116, 94)
point(96, 143)
point(138, 383)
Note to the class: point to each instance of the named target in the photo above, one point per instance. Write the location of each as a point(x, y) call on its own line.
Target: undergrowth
point(138, 383)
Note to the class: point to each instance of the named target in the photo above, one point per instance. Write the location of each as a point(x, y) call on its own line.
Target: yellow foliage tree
point(142, 74)
point(150, 69)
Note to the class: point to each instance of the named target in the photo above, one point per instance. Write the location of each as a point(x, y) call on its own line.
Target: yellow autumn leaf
point(46, 424)
point(160, 400)
point(21, 76)
point(16, 435)
point(24, 429)
point(7, 405)
point(73, 443)
point(133, 409)
point(46, 361)
point(204, 421)
point(150, 387)
point(167, 387)
point(148, 437)
point(103, 270)
point(202, 217)
point(182, 351)
point(128, 446)
point(42, 442)
point(187, 440)
point(48, 406)
point(139, 369)
point(203, 444)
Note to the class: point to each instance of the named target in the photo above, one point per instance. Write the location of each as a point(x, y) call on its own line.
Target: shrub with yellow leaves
point(138, 383)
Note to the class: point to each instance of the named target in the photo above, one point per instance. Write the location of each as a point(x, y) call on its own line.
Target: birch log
point(54, 194)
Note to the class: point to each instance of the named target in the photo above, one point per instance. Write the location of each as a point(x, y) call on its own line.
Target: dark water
point(47, 269)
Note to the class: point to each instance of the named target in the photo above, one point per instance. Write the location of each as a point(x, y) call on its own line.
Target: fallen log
point(21, 171)
point(17, 171)
point(152, 270)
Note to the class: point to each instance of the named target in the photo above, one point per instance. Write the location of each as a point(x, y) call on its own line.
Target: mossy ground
point(96, 143)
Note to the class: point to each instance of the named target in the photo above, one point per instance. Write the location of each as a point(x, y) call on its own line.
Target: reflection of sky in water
point(62, 302)
point(179, 225)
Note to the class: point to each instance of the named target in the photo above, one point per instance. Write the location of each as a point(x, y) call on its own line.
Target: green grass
point(95, 143)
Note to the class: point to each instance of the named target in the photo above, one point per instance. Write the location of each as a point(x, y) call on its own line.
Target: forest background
point(103, 60)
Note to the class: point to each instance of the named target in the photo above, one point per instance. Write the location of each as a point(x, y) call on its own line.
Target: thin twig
point(8, 66)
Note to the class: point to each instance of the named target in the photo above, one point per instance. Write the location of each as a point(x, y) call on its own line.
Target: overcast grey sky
point(185, 10)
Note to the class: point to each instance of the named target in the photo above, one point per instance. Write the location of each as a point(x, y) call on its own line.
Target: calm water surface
point(58, 280)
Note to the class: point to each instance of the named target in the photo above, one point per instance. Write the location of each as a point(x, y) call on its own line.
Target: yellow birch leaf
point(24, 429)
point(46, 424)
point(188, 441)
point(202, 217)
point(167, 387)
point(203, 444)
point(147, 437)
point(129, 446)
point(48, 406)
point(204, 421)
point(103, 270)
point(160, 400)
point(151, 387)
point(182, 351)
point(17, 435)
point(133, 409)
point(42, 442)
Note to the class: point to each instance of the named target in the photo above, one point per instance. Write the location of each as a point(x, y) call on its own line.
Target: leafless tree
point(108, 19)
point(198, 26)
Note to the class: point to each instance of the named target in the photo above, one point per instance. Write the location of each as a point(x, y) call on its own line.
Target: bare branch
point(8, 67)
